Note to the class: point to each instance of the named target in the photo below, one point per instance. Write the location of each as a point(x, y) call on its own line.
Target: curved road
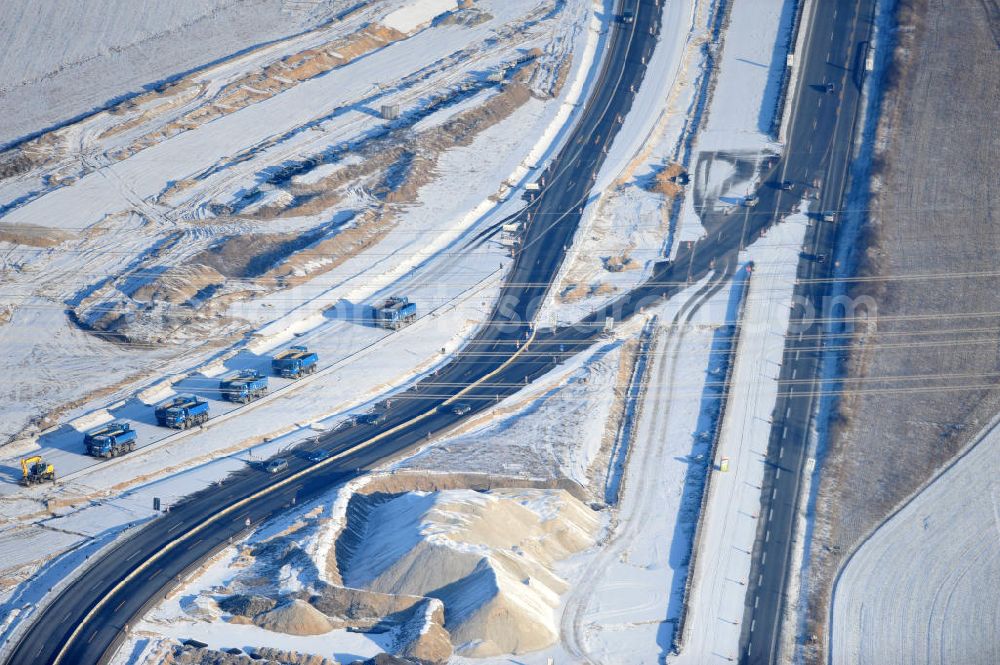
point(88, 620)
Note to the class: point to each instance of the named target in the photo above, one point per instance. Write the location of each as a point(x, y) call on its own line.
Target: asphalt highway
point(820, 146)
point(89, 618)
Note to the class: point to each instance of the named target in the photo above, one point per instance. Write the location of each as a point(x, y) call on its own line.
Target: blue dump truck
point(244, 386)
point(181, 412)
point(110, 440)
point(395, 313)
point(294, 362)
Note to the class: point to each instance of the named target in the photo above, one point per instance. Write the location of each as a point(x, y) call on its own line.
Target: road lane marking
point(133, 555)
point(767, 537)
point(120, 605)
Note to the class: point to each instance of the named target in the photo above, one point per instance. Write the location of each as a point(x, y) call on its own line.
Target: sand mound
point(487, 556)
point(295, 618)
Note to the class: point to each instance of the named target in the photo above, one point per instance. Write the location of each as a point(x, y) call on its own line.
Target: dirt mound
point(246, 605)
point(272, 655)
point(487, 556)
point(295, 617)
point(189, 655)
point(384, 659)
point(179, 284)
point(666, 181)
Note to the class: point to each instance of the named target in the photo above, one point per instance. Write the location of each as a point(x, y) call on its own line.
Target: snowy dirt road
point(622, 607)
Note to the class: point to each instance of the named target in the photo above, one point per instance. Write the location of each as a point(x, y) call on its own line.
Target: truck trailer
point(245, 386)
point(294, 362)
point(395, 313)
point(181, 412)
point(110, 440)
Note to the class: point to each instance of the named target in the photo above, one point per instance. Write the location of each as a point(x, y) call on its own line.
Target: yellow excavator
point(36, 471)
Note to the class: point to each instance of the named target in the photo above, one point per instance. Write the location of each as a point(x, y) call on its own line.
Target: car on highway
point(276, 465)
point(628, 17)
point(829, 87)
point(787, 185)
point(319, 455)
point(375, 418)
point(460, 408)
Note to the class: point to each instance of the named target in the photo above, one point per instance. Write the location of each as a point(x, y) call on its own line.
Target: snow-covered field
point(47, 79)
point(923, 587)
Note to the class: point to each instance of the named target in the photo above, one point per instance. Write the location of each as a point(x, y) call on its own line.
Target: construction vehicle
point(244, 386)
point(294, 362)
point(35, 471)
point(110, 440)
point(510, 233)
point(395, 313)
point(181, 412)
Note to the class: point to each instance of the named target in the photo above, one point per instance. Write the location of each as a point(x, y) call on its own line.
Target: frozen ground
point(923, 587)
point(47, 79)
point(126, 218)
point(555, 428)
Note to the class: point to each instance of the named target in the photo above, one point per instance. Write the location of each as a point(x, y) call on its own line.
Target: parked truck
point(245, 386)
point(110, 440)
point(294, 362)
point(395, 313)
point(181, 412)
point(35, 470)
